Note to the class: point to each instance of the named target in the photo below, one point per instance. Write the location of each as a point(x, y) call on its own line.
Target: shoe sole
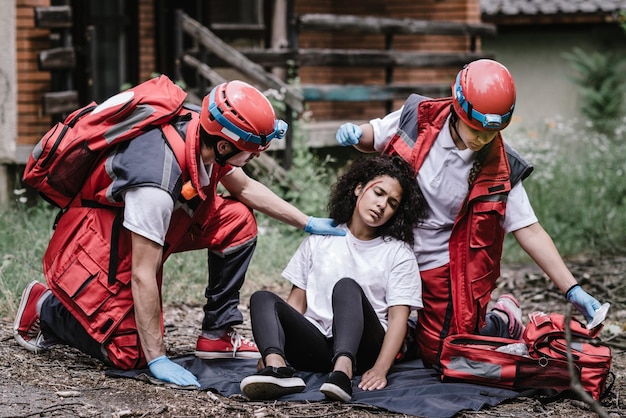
point(335, 392)
point(208, 355)
point(33, 348)
point(260, 388)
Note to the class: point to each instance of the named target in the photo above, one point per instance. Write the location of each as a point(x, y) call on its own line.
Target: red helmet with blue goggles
point(241, 114)
point(483, 95)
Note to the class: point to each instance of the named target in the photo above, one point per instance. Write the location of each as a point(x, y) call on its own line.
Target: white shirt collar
point(204, 172)
point(445, 140)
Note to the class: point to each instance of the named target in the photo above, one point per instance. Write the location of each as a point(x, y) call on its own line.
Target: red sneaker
point(230, 345)
point(26, 329)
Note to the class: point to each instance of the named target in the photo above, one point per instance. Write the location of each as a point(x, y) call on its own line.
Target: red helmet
point(241, 114)
point(483, 95)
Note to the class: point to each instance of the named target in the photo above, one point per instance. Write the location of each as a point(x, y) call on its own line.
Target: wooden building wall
point(31, 83)
point(449, 10)
point(32, 122)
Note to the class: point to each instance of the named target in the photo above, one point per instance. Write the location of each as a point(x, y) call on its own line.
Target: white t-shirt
point(386, 269)
point(148, 210)
point(443, 180)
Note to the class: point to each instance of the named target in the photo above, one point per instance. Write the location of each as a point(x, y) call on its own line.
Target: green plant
point(26, 230)
point(600, 79)
point(578, 189)
point(310, 178)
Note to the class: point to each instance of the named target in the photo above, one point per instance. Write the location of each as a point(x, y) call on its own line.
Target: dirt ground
point(65, 383)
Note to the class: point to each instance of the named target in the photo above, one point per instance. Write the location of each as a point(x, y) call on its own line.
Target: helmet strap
point(221, 159)
point(454, 120)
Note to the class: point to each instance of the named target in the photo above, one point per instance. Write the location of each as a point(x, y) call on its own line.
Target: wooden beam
point(266, 165)
point(207, 72)
point(370, 24)
point(57, 59)
point(364, 93)
point(319, 134)
point(53, 17)
point(239, 61)
point(569, 19)
point(58, 102)
point(239, 30)
point(354, 58)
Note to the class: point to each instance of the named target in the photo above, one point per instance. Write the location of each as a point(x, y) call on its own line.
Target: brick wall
point(147, 52)
point(31, 83)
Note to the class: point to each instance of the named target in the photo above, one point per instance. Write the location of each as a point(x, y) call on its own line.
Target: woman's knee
point(346, 287)
point(346, 284)
point(262, 298)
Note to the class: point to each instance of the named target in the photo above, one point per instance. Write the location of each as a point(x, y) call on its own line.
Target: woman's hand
point(373, 379)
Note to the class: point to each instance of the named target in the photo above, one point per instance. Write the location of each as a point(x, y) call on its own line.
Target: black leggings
point(357, 332)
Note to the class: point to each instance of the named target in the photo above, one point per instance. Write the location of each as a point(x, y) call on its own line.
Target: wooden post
point(279, 41)
point(279, 34)
point(178, 44)
point(389, 69)
point(8, 103)
point(237, 60)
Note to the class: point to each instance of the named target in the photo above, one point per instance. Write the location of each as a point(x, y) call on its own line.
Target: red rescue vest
point(456, 296)
point(88, 261)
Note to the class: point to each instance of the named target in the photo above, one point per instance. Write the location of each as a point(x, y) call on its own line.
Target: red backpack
point(540, 361)
point(545, 335)
point(60, 163)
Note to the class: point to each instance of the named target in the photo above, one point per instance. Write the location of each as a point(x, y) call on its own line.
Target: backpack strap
point(115, 241)
point(177, 144)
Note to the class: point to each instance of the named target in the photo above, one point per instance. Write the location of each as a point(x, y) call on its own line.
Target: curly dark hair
point(412, 209)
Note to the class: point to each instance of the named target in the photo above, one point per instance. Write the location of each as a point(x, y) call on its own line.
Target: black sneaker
point(272, 383)
point(338, 386)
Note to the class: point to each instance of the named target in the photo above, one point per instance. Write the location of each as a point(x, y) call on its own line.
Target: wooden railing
point(387, 58)
point(254, 62)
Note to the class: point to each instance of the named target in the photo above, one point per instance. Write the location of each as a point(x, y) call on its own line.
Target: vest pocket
point(78, 279)
point(79, 275)
point(485, 241)
point(124, 351)
point(485, 223)
point(82, 286)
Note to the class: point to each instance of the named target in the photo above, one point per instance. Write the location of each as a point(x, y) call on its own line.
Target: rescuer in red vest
point(472, 182)
point(103, 265)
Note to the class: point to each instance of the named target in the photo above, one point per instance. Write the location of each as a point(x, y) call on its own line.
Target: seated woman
point(349, 305)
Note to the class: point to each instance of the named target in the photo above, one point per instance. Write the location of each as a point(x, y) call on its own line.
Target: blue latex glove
point(583, 302)
point(323, 226)
point(348, 134)
point(165, 369)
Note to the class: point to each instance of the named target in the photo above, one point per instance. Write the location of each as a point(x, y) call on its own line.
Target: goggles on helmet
point(235, 132)
point(488, 120)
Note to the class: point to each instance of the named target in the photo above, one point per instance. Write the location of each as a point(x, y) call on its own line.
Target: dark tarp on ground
point(411, 389)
